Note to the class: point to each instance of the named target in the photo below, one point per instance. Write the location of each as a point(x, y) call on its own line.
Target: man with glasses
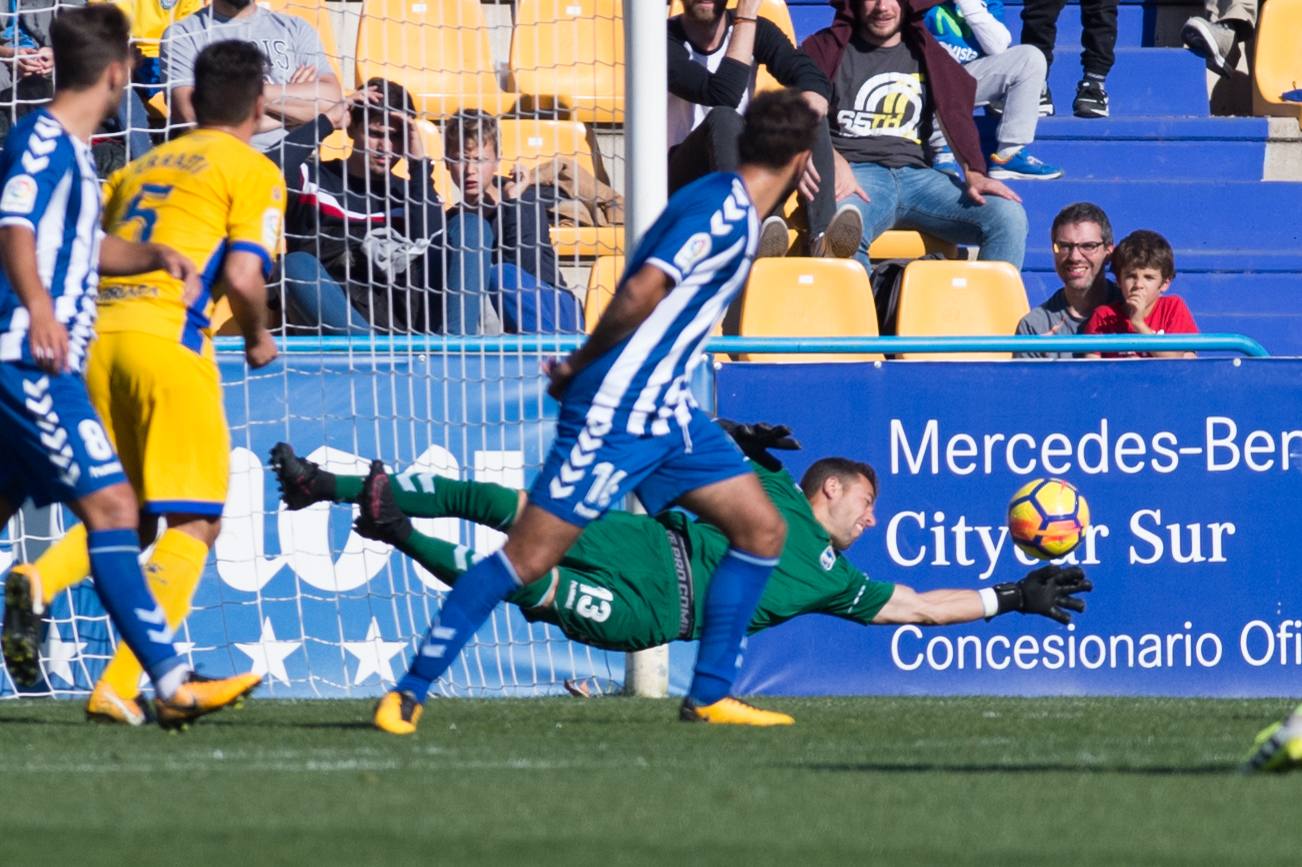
point(1082, 243)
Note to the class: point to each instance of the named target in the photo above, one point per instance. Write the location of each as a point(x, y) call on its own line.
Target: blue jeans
point(934, 202)
point(530, 306)
point(318, 300)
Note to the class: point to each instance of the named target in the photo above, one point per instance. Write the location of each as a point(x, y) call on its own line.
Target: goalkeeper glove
point(1047, 591)
point(756, 439)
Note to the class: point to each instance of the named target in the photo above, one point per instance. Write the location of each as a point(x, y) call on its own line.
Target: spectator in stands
point(1082, 242)
point(370, 251)
point(301, 83)
point(26, 82)
point(525, 280)
point(891, 82)
point(1144, 265)
point(1098, 43)
point(149, 20)
point(1010, 77)
point(713, 57)
point(1228, 23)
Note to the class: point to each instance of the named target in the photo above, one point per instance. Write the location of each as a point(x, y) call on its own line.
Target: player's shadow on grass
point(1029, 768)
point(6, 720)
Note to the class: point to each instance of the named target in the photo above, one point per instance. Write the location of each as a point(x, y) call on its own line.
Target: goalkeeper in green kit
point(637, 581)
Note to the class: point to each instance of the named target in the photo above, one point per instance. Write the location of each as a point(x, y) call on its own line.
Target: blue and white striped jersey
point(705, 241)
point(51, 188)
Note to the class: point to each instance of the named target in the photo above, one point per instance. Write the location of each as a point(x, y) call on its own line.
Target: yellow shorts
point(162, 406)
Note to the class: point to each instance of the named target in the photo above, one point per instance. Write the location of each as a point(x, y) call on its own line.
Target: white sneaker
point(843, 235)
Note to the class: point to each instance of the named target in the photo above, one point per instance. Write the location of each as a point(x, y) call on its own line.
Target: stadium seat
point(316, 14)
point(568, 55)
point(796, 297)
point(602, 280)
point(533, 142)
point(942, 298)
point(1277, 67)
point(908, 244)
point(438, 49)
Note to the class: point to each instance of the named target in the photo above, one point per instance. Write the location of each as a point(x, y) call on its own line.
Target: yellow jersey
point(204, 195)
point(149, 18)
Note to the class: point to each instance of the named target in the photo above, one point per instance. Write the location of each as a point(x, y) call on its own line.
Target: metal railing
point(557, 343)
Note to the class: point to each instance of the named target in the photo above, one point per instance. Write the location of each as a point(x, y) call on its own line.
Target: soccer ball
point(1047, 518)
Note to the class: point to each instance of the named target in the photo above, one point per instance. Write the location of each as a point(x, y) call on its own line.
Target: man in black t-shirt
point(884, 104)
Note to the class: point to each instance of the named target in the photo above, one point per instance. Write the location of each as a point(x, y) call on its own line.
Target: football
point(1047, 518)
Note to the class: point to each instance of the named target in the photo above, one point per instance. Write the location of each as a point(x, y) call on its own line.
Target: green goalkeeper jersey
point(619, 586)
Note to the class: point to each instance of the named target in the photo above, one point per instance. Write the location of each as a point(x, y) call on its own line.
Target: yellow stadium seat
point(602, 281)
point(569, 55)
point(960, 299)
point(796, 297)
point(907, 244)
point(316, 14)
point(534, 142)
point(1277, 67)
point(438, 49)
point(775, 11)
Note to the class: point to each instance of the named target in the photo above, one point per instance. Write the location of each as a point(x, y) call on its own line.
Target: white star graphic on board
point(374, 655)
point(60, 655)
point(268, 653)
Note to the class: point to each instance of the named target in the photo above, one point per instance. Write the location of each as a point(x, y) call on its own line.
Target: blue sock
point(471, 601)
point(121, 587)
point(735, 590)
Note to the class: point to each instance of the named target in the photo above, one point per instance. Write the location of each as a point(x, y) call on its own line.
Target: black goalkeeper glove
point(756, 439)
point(1047, 591)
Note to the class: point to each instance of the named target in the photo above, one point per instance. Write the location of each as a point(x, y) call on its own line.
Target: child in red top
point(1144, 265)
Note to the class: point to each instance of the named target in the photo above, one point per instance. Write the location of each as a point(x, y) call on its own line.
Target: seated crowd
point(372, 247)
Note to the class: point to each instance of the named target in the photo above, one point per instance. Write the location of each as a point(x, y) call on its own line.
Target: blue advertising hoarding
point(1193, 473)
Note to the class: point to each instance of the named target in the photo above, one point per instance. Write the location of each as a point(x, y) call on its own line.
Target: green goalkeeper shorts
point(616, 588)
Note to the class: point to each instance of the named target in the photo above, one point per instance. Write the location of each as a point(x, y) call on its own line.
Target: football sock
point(63, 564)
point(426, 495)
point(467, 607)
point(173, 573)
point(446, 560)
point(734, 591)
point(121, 587)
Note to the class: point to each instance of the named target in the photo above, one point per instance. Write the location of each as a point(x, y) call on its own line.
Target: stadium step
point(1231, 149)
point(1266, 307)
point(1144, 82)
point(1195, 214)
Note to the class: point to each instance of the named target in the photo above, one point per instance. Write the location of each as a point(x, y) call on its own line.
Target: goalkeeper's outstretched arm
point(1049, 591)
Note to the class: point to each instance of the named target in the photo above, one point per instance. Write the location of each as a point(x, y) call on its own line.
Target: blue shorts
point(55, 447)
point(592, 467)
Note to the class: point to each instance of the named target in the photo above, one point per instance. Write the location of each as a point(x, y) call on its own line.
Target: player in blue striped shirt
point(628, 424)
point(52, 251)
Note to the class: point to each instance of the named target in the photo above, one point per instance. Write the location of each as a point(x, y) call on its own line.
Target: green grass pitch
point(619, 781)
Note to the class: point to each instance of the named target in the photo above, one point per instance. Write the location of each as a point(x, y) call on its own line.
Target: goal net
point(419, 376)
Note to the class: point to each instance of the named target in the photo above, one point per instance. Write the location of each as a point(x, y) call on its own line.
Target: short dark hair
point(228, 77)
point(469, 126)
point(844, 469)
point(1082, 212)
point(1144, 248)
point(85, 41)
point(778, 125)
point(394, 99)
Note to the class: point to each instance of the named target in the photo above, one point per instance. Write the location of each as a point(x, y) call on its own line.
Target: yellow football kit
point(151, 371)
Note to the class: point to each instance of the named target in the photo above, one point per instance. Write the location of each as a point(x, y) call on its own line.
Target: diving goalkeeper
point(637, 581)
